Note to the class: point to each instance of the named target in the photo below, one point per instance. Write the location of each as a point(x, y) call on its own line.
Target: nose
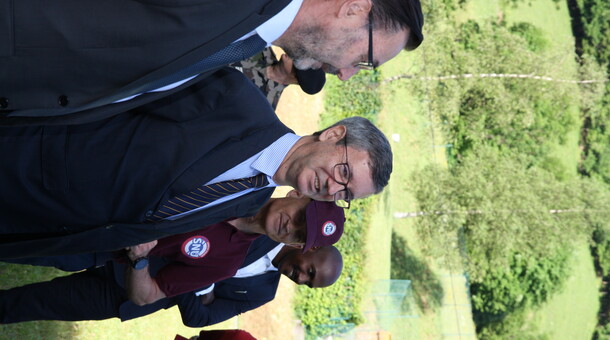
point(346, 73)
point(302, 277)
point(333, 187)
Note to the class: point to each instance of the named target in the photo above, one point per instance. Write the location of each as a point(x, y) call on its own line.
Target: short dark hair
point(394, 15)
point(361, 134)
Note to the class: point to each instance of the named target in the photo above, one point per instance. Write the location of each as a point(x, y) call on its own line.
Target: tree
point(514, 199)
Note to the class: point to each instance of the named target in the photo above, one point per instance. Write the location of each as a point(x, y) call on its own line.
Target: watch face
point(140, 263)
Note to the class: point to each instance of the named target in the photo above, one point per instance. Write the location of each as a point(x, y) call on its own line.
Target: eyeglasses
point(341, 175)
point(368, 65)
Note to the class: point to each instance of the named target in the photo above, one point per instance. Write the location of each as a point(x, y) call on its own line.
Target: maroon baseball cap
point(324, 224)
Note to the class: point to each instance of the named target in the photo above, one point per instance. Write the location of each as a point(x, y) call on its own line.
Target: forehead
point(361, 182)
point(386, 45)
point(324, 270)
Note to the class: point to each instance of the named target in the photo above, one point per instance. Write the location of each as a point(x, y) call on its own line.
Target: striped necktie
point(206, 194)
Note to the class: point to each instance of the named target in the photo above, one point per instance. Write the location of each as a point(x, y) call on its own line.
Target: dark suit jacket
point(232, 296)
point(89, 188)
point(57, 56)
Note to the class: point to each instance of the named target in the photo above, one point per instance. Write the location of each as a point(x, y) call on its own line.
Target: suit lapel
point(258, 249)
point(256, 288)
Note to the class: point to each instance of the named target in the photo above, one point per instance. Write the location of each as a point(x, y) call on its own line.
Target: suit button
point(63, 100)
point(3, 102)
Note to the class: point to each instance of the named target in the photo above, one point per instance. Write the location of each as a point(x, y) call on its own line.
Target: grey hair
point(361, 134)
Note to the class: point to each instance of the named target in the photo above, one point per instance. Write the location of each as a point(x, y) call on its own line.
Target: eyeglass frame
point(368, 65)
point(336, 199)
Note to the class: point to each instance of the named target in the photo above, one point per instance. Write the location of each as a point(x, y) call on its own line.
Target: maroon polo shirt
point(201, 257)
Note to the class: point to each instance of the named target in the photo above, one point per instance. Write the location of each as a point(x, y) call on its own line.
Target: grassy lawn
point(571, 314)
point(162, 325)
point(415, 143)
point(421, 143)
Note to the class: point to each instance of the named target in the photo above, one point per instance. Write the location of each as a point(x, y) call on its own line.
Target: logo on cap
point(329, 228)
point(196, 247)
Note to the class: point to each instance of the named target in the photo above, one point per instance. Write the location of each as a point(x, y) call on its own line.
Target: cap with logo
point(325, 222)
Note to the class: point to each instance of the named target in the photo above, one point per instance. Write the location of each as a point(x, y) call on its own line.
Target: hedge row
point(336, 309)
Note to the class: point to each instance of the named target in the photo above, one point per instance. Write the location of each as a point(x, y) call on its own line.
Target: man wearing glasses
point(59, 66)
point(211, 152)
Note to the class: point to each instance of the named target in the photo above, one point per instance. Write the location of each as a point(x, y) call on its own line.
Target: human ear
point(359, 8)
point(294, 194)
point(335, 133)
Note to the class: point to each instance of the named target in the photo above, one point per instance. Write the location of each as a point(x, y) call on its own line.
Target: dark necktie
point(206, 194)
point(235, 52)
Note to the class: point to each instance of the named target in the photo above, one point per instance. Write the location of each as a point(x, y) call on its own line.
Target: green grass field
point(162, 325)
point(572, 313)
point(421, 143)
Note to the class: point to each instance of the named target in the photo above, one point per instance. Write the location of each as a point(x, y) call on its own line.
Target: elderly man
point(97, 293)
point(97, 58)
point(208, 153)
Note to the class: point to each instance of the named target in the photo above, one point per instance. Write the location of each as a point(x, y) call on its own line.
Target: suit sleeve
point(195, 314)
point(211, 95)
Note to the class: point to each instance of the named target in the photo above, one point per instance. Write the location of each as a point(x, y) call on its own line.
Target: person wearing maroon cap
point(280, 219)
point(196, 259)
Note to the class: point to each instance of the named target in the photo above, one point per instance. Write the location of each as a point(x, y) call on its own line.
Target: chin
point(306, 64)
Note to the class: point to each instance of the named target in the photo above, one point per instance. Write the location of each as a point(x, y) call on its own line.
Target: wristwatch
point(139, 263)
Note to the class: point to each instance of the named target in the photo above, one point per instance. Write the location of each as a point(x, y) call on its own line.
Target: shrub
point(331, 310)
point(525, 281)
point(323, 311)
point(536, 41)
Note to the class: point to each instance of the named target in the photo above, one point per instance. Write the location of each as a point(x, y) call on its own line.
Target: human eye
point(343, 173)
point(312, 273)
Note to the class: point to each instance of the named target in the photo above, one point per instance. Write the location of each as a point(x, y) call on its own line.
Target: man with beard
point(77, 61)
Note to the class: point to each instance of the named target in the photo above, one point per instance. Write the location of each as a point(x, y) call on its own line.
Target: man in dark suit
point(102, 58)
point(104, 185)
point(97, 293)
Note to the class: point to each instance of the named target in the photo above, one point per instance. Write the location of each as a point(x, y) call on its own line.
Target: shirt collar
point(273, 253)
point(273, 28)
point(269, 160)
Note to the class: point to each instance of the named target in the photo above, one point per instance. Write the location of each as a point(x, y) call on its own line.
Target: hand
point(282, 72)
point(140, 250)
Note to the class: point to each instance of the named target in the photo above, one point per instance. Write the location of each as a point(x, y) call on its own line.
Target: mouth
point(282, 228)
point(330, 69)
point(284, 225)
point(316, 184)
point(293, 274)
point(279, 226)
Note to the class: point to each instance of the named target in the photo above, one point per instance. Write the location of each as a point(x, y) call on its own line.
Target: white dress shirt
point(257, 267)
